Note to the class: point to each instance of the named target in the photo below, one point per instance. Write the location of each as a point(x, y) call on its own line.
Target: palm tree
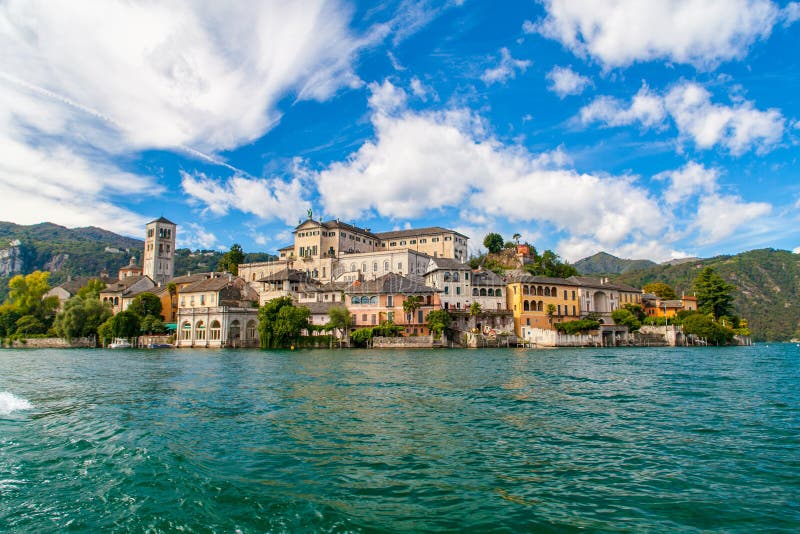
point(551, 311)
point(475, 310)
point(411, 304)
point(516, 237)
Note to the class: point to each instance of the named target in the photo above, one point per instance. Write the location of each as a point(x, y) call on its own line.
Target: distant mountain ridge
point(605, 263)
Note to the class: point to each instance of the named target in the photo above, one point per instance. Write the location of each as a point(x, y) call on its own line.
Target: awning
point(171, 326)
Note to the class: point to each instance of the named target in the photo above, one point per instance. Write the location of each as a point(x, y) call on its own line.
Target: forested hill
point(767, 282)
point(605, 263)
point(84, 252)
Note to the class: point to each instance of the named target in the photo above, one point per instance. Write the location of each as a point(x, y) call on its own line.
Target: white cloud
point(620, 32)
point(791, 13)
point(423, 162)
point(269, 199)
point(796, 250)
point(386, 97)
point(738, 128)
point(194, 236)
point(182, 73)
point(566, 81)
point(687, 181)
point(506, 69)
point(646, 108)
point(720, 216)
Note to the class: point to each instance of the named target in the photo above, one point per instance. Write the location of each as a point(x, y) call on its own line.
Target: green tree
point(387, 329)
point(549, 264)
point(714, 295)
point(29, 324)
point(81, 317)
point(411, 304)
point(26, 296)
point(145, 304)
point(550, 311)
point(438, 321)
point(475, 309)
point(661, 290)
point(625, 317)
point(493, 242)
point(92, 289)
point(8, 320)
point(704, 326)
point(361, 336)
point(125, 324)
point(230, 260)
point(340, 319)
point(152, 324)
point(637, 310)
point(290, 323)
point(516, 238)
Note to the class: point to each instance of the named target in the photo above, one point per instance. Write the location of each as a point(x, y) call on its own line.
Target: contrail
point(105, 118)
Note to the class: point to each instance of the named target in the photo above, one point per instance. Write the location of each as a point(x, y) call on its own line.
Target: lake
point(500, 440)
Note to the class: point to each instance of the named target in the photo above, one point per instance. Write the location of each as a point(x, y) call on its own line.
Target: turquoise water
point(333, 441)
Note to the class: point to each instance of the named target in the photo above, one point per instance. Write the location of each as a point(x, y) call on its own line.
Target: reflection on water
point(648, 439)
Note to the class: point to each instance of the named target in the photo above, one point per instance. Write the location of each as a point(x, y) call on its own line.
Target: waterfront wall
point(53, 343)
point(413, 342)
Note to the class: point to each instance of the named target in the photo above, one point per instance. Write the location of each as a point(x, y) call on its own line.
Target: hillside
point(768, 283)
point(83, 252)
point(604, 263)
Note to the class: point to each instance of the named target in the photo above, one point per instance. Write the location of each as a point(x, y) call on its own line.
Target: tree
point(714, 295)
point(549, 264)
point(230, 260)
point(81, 317)
point(625, 317)
point(550, 310)
point(152, 324)
point(704, 326)
point(361, 336)
point(516, 238)
point(661, 290)
point(637, 310)
point(92, 289)
point(290, 323)
point(26, 296)
point(8, 320)
point(411, 304)
point(438, 321)
point(125, 324)
point(145, 304)
point(493, 242)
point(339, 319)
point(29, 324)
point(475, 309)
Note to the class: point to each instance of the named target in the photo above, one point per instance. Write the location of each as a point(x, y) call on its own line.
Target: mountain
point(604, 263)
point(84, 252)
point(767, 282)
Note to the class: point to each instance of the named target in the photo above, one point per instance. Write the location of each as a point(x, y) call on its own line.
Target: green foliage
point(637, 310)
point(703, 325)
point(438, 321)
point(361, 336)
point(125, 324)
point(576, 327)
point(387, 329)
point(714, 295)
point(152, 324)
point(550, 310)
point(8, 320)
point(81, 317)
point(280, 322)
point(230, 260)
point(29, 324)
point(661, 290)
point(145, 304)
point(340, 318)
point(625, 317)
point(549, 264)
point(475, 309)
point(605, 263)
point(493, 242)
point(412, 303)
point(92, 289)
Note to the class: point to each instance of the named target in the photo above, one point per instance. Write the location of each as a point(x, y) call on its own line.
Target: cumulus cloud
point(646, 108)
point(689, 180)
point(720, 216)
point(386, 97)
point(565, 81)
point(268, 199)
point(618, 33)
point(506, 69)
point(419, 163)
point(738, 128)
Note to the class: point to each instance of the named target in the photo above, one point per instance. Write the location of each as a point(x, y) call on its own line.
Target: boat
point(119, 343)
point(159, 346)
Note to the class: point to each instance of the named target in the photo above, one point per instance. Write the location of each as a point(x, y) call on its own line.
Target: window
point(374, 319)
point(354, 300)
point(375, 266)
point(434, 240)
point(458, 290)
point(402, 243)
point(364, 317)
point(421, 241)
point(528, 321)
point(386, 266)
point(412, 242)
point(213, 331)
point(573, 297)
point(559, 309)
point(573, 310)
point(490, 292)
point(526, 306)
point(352, 267)
point(364, 267)
point(202, 300)
point(373, 300)
point(390, 301)
point(186, 331)
point(365, 300)
point(446, 290)
point(498, 292)
point(390, 317)
point(399, 266)
point(200, 330)
point(474, 291)
point(565, 294)
point(393, 244)
point(183, 300)
point(420, 316)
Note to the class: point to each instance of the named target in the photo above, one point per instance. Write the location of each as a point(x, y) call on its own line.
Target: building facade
point(159, 250)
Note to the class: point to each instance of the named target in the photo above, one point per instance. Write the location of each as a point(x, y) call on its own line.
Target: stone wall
point(418, 342)
point(53, 343)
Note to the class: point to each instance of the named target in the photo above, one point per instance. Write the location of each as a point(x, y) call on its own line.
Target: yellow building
point(530, 297)
point(656, 307)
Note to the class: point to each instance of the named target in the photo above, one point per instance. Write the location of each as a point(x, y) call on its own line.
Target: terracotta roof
point(210, 284)
point(487, 278)
point(162, 219)
point(119, 286)
point(390, 283)
point(318, 308)
point(449, 264)
point(430, 230)
point(292, 275)
point(190, 278)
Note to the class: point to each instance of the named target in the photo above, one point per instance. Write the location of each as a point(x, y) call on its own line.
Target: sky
point(658, 129)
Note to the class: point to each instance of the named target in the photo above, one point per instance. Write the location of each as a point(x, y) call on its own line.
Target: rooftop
point(430, 230)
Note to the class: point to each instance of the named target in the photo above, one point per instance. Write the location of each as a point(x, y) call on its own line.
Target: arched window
point(116, 301)
point(251, 329)
point(386, 266)
point(554, 292)
point(373, 300)
point(526, 306)
point(546, 291)
point(526, 290)
point(235, 330)
point(375, 267)
point(213, 331)
point(455, 277)
point(490, 292)
point(540, 306)
point(540, 291)
point(186, 330)
point(364, 267)
point(355, 300)
point(483, 291)
point(352, 267)
point(474, 291)
point(498, 292)
point(200, 330)
point(446, 277)
point(365, 300)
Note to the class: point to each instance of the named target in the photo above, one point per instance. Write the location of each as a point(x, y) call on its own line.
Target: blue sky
point(655, 129)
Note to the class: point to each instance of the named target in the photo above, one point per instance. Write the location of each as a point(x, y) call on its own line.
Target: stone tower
point(159, 250)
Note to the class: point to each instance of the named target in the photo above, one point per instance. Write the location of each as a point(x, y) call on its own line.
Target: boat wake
point(10, 403)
